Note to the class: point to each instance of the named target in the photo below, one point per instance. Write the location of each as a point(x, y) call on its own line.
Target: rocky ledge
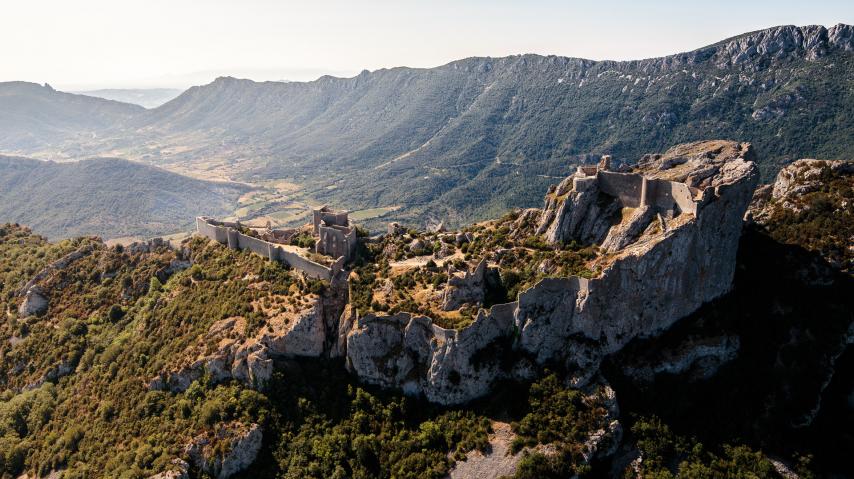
point(667, 231)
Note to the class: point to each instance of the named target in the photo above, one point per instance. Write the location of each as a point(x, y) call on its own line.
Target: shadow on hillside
point(791, 312)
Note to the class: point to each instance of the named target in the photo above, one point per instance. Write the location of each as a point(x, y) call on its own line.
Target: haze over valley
point(464, 141)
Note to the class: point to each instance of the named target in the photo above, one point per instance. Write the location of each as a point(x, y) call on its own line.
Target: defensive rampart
point(634, 190)
point(228, 233)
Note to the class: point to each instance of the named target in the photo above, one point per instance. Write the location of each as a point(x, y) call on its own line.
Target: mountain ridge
point(33, 116)
point(490, 131)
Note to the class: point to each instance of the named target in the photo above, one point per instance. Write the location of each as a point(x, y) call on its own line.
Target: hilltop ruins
point(445, 315)
point(334, 238)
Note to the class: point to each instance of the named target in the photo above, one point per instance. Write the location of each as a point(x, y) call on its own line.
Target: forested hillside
point(772, 379)
point(76, 399)
point(107, 197)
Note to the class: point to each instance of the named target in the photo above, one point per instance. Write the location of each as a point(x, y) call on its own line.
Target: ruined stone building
point(336, 237)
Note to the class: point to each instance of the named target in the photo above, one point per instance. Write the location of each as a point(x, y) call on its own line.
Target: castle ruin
point(335, 238)
point(665, 233)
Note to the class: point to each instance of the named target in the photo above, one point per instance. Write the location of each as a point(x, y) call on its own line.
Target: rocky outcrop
point(796, 180)
point(447, 366)
point(628, 231)
point(177, 470)
point(34, 304)
point(802, 192)
point(655, 279)
point(35, 299)
point(465, 287)
point(310, 332)
point(695, 359)
point(577, 209)
point(239, 442)
point(810, 42)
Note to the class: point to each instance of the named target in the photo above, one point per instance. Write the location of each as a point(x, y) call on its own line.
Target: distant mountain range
point(469, 139)
point(106, 196)
point(33, 117)
point(145, 97)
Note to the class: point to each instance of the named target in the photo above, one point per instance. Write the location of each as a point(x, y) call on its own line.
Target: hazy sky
point(120, 43)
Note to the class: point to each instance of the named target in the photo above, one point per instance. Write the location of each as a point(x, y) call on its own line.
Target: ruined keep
point(335, 236)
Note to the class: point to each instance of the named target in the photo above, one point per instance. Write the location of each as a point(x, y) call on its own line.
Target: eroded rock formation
point(308, 332)
point(670, 231)
point(229, 449)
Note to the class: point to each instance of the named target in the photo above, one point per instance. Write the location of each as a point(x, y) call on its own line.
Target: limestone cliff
point(671, 226)
point(309, 331)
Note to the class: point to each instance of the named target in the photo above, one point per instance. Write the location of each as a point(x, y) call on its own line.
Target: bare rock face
point(305, 333)
point(240, 442)
point(409, 352)
point(629, 230)
point(811, 42)
point(576, 209)
point(35, 303)
point(672, 229)
point(465, 287)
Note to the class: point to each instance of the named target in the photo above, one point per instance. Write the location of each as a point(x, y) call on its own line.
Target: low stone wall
point(307, 266)
point(224, 232)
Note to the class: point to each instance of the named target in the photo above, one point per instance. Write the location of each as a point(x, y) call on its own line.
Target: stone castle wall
point(634, 190)
point(336, 241)
point(225, 232)
point(625, 186)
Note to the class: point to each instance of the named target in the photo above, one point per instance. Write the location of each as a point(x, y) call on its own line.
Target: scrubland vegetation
point(408, 272)
point(823, 221)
